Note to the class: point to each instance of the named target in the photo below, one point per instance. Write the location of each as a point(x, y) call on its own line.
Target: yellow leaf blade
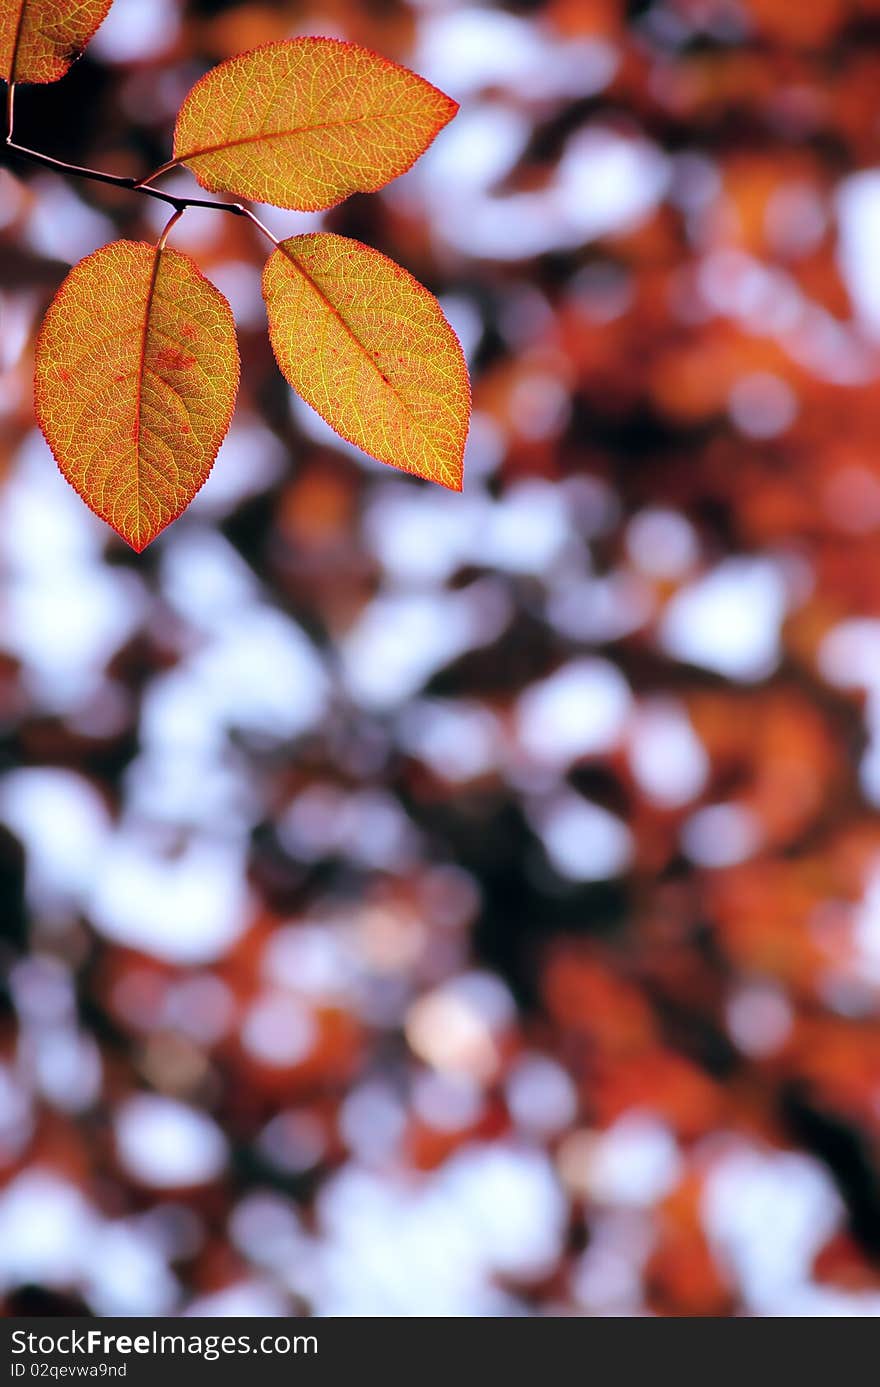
point(368, 347)
point(305, 122)
point(39, 39)
point(135, 382)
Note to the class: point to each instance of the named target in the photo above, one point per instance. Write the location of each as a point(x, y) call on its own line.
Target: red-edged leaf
point(306, 122)
point(39, 39)
point(368, 347)
point(136, 375)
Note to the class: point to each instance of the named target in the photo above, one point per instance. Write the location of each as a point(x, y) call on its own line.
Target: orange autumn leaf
point(39, 39)
point(368, 347)
point(136, 376)
point(306, 122)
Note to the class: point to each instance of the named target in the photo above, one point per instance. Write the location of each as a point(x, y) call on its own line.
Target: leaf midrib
point(16, 42)
point(313, 284)
point(277, 135)
point(142, 361)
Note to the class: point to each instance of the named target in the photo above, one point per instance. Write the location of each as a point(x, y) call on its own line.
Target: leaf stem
point(157, 173)
point(175, 217)
point(115, 180)
point(246, 212)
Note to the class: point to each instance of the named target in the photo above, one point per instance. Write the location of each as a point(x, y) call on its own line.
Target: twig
point(115, 180)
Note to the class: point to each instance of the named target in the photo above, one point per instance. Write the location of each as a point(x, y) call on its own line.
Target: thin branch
point(116, 180)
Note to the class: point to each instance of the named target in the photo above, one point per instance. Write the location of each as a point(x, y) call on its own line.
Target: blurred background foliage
point(423, 904)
